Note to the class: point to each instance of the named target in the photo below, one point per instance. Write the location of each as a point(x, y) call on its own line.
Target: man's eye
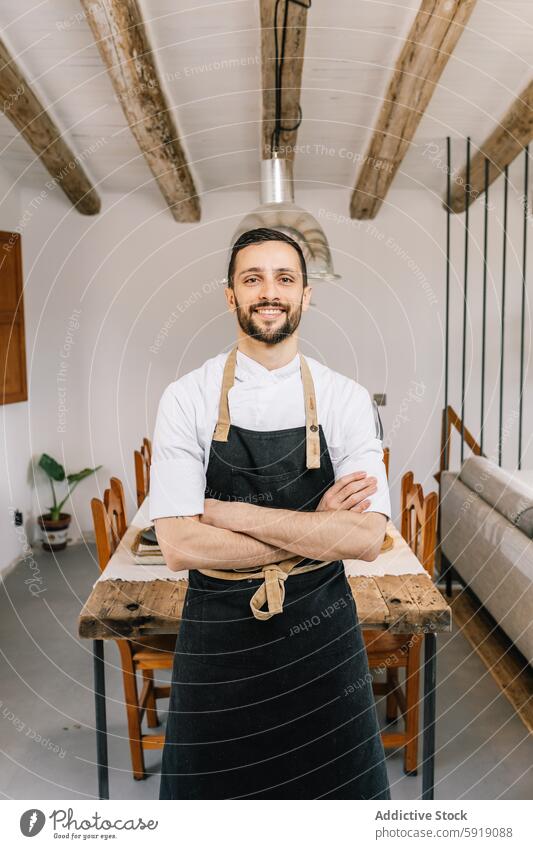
point(287, 279)
point(251, 279)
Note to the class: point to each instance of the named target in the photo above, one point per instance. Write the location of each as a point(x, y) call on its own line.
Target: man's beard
point(249, 322)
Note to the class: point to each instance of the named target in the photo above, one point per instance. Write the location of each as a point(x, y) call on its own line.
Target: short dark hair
point(263, 234)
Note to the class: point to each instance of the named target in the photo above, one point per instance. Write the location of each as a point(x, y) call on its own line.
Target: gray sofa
point(486, 535)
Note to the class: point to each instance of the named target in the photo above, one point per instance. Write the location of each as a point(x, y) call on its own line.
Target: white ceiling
point(351, 48)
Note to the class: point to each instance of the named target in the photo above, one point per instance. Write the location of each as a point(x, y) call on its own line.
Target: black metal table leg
point(449, 579)
point(446, 572)
point(100, 716)
point(430, 680)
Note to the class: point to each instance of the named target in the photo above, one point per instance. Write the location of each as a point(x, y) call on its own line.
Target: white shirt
point(260, 399)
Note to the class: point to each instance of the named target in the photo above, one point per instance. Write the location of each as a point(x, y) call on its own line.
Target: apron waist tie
point(272, 590)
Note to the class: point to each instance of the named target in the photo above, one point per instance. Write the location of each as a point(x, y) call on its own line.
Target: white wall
point(136, 300)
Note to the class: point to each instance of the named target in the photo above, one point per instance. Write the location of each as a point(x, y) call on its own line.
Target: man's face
point(268, 292)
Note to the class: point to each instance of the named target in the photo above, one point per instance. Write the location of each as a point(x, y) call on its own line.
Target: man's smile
point(269, 312)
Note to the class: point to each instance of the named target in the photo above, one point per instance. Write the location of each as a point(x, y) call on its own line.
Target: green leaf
point(79, 476)
point(52, 468)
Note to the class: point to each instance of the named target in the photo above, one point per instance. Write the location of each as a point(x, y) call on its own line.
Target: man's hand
point(351, 492)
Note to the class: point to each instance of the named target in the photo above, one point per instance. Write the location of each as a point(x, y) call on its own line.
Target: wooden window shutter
point(13, 384)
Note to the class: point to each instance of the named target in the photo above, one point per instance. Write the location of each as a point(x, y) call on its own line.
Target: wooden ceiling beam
point(24, 109)
point(122, 40)
point(512, 134)
point(434, 33)
point(291, 76)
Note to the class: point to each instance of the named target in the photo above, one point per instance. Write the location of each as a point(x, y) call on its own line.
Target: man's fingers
point(357, 486)
point(358, 498)
point(341, 482)
point(360, 507)
point(359, 494)
point(352, 499)
point(349, 490)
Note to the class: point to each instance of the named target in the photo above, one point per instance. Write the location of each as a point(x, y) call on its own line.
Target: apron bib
point(279, 707)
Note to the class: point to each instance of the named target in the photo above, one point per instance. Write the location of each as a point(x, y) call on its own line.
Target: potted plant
point(54, 524)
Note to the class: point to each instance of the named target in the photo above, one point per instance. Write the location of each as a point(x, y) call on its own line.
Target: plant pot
point(54, 532)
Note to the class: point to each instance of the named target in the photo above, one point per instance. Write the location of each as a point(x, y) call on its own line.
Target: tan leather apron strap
point(271, 591)
point(228, 378)
point(312, 434)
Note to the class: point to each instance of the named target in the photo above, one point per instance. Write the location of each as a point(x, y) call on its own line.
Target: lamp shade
point(279, 212)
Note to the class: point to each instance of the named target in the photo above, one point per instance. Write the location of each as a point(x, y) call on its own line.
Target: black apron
point(281, 708)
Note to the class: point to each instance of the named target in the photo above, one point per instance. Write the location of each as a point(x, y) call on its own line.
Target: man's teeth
point(269, 311)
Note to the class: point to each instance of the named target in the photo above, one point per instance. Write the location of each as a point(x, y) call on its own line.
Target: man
point(260, 487)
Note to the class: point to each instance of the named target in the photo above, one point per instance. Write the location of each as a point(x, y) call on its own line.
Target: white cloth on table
point(262, 400)
point(400, 560)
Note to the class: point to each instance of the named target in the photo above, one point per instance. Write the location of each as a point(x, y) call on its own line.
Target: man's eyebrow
point(258, 268)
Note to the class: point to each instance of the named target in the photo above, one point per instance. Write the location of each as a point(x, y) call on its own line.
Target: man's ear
point(230, 298)
point(306, 298)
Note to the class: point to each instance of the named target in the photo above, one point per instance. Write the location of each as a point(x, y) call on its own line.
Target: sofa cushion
point(492, 557)
point(510, 493)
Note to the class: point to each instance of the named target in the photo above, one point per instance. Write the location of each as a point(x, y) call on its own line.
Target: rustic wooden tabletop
point(402, 604)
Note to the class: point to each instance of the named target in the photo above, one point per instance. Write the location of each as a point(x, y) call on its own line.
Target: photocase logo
point(32, 822)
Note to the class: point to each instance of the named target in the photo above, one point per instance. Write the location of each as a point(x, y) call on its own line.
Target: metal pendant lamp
point(279, 212)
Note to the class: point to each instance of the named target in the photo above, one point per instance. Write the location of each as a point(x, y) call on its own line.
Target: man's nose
point(268, 289)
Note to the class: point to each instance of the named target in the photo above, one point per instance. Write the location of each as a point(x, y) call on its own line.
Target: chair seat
point(157, 647)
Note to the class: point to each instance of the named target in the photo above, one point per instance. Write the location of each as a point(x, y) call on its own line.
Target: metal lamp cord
point(280, 58)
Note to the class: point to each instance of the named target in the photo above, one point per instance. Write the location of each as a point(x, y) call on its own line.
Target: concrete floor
point(47, 734)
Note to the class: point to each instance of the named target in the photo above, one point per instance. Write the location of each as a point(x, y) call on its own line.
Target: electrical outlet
point(381, 399)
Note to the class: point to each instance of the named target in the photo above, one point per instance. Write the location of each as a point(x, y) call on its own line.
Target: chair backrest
point(110, 522)
point(147, 446)
point(143, 460)
point(419, 521)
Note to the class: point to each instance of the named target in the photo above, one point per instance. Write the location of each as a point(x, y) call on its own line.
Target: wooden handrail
point(449, 421)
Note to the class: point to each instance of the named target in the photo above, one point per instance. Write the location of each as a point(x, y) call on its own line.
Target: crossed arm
point(231, 534)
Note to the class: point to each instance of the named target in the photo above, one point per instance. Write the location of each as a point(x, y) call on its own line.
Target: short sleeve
point(177, 475)
point(362, 448)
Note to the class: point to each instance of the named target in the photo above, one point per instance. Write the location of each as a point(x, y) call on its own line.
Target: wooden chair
point(143, 654)
point(395, 651)
point(143, 460)
point(386, 458)
point(419, 521)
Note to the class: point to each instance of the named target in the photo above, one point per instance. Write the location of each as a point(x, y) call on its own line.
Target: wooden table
point(402, 604)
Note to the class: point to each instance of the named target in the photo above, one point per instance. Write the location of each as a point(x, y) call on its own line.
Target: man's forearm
point(324, 535)
point(190, 544)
